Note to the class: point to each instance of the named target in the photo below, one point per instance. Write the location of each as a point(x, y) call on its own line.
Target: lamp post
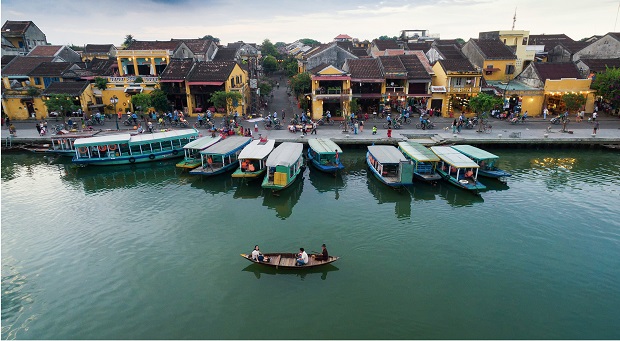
point(114, 100)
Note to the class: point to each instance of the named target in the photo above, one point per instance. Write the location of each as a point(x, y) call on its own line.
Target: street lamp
point(114, 100)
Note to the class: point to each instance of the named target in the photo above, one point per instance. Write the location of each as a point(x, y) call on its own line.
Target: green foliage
point(159, 100)
point(268, 49)
point(460, 41)
point(223, 99)
point(76, 47)
point(128, 40)
point(33, 91)
point(484, 102)
point(270, 64)
point(387, 38)
point(265, 88)
point(141, 102)
point(573, 101)
point(290, 67)
point(309, 41)
point(279, 44)
point(607, 84)
point(210, 37)
point(101, 83)
point(61, 103)
point(301, 83)
point(139, 80)
point(355, 107)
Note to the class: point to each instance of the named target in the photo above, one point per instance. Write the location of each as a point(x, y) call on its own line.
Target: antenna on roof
point(514, 19)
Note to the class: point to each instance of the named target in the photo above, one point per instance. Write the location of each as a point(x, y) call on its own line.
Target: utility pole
point(514, 19)
point(618, 11)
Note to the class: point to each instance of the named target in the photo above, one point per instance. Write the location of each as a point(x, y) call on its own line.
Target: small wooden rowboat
point(287, 260)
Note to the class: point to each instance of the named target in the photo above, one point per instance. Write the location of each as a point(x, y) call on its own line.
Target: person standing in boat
point(302, 257)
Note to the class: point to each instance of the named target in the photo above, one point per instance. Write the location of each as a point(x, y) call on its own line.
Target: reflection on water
point(217, 184)
point(248, 189)
point(283, 201)
point(324, 182)
point(457, 197)
point(259, 270)
point(400, 197)
point(17, 301)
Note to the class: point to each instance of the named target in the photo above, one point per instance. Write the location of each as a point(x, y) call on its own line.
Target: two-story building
point(331, 54)
point(20, 96)
point(331, 91)
point(496, 60)
point(455, 81)
point(59, 52)
point(20, 37)
point(367, 82)
point(517, 41)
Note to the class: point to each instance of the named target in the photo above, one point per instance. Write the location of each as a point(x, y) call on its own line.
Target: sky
point(108, 22)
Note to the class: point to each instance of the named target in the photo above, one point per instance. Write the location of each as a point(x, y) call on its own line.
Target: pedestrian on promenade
point(374, 130)
point(595, 127)
point(355, 127)
point(256, 127)
point(362, 125)
point(38, 126)
point(389, 132)
point(12, 130)
point(313, 128)
point(454, 124)
point(7, 121)
point(283, 115)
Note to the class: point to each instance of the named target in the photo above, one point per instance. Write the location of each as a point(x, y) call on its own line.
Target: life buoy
point(83, 150)
point(103, 148)
point(152, 157)
point(117, 154)
point(175, 152)
point(132, 159)
point(112, 147)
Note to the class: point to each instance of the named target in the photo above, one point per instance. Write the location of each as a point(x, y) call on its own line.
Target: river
point(150, 252)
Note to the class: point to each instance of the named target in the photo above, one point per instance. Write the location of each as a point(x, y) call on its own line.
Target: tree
point(607, 85)
point(301, 83)
point(483, 103)
point(159, 100)
point(76, 47)
point(60, 103)
point(460, 41)
point(290, 67)
point(210, 37)
point(33, 91)
point(141, 102)
point(355, 107)
point(128, 40)
point(101, 83)
point(270, 64)
point(228, 100)
point(268, 49)
point(279, 44)
point(309, 41)
point(573, 102)
point(265, 88)
point(387, 38)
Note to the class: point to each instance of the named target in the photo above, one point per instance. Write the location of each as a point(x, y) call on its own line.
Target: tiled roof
point(101, 67)
point(318, 50)
point(615, 35)
point(45, 50)
point(415, 68)
point(600, 65)
point(494, 49)
point(420, 46)
point(450, 51)
point(197, 45)
point(365, 68)
point(211, 71)
point(225, 53)
point(359, 52)
point(385, 44)
point(98, 48)
point(22, 65)
point(556, 70)
point(13, 28)
point(318, 68)
point(154, 45)
point(574, 46)
point(447, 42)
point(457, 65)
point(347, 45)
point(549, 40)
point(177, 69)
point(392, 65)
point(69, 88)
point(424, 60)
point(50, 69)
point(6, 60)
point(343, 36)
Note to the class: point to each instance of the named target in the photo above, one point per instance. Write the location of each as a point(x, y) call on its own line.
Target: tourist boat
point(223, 156)
point(253, 158)
point(123, 149)
point(424, 160)
point(192, 151)
point(389, 165)
point(288, 260)
point(458, 169)
point(325, 155)
point(283, 166)
point(63, 144)
point(484, 159)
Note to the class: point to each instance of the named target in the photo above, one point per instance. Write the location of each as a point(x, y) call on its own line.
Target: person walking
point(596, 125)
point(362, 125)
point(313, 128)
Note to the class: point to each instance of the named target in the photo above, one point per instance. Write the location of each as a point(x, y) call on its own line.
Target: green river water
point(150, 252)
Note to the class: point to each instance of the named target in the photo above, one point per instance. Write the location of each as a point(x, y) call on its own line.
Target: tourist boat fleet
point(460, 165)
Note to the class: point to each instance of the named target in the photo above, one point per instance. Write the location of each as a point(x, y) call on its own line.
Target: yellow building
point(495, 59)
point(518, 41)
point(518, 95)
point(331, 91)
point(455, 81)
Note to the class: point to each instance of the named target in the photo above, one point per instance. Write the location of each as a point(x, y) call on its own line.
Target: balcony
point(463, 89)
point(132, 79)
point(331, 92)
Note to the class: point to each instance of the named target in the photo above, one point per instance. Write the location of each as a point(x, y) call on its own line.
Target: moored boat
point(63, 144)
point(389, 165)
point(325, 155)
point(222, 156)
point(123, 149)
point(283, 166)
point(424, 160)
point(487, 161)
point(288, 260)
point(253, 158)
point(458, 169)
point(192, 151)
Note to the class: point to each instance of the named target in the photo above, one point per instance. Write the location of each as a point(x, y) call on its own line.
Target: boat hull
point(270, 185)
point(288, 260)
point(381, 178)
point(189, 164)
point(326, 168)
point(215, 171)
point(129, 159)
point(469, 184)
point(495, 173)
point(248, 175)
point(427, 177)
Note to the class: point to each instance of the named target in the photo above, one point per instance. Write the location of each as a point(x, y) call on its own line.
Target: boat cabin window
point(390, 170)
point(135, 150)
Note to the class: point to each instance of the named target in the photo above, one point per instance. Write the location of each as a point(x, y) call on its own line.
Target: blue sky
point(107, 22)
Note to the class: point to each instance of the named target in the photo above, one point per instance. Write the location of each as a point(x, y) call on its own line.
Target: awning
point(418, 95)
point(171, 80)
point(330, 78)
point(133, 89)
point(438, 88)
point(367, 80)
point(205, 83)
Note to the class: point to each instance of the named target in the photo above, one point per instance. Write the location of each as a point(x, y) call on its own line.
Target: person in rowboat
point(302, 257)
point(324, 254)
point(258, 256)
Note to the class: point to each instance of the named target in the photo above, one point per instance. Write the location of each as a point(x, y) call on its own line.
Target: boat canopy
point(454, 157)
point(387, 154)
point(324, 146)
point(417, 151)
point(286, 154)
point(257, 149)
point(475, 152)
point(227, 145)
point(102, 140)
point(202, 143)
point(162, 136)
